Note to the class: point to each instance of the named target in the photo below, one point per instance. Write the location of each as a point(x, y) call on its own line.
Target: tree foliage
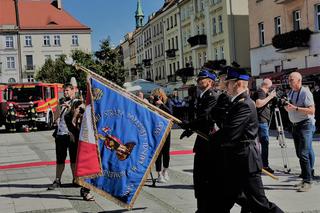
point(105, 62)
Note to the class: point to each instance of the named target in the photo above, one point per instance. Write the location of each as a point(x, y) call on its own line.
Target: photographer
point(160, 100)
point(63, 136)
point(262, 98)
point(301, 111)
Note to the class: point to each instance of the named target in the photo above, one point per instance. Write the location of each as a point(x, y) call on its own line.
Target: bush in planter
point(299, 38)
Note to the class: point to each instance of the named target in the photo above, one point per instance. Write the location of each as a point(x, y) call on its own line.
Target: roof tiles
point(38, 15)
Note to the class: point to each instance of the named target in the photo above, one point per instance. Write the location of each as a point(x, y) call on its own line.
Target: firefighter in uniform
point(11, 118)
point(241, 161)
point(202, 172)
point(32, 116)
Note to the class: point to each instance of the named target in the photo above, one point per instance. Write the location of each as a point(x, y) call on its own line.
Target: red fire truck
point(45, 97)
point(3, 104)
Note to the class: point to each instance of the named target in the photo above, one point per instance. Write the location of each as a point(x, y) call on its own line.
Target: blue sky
point(112, 18)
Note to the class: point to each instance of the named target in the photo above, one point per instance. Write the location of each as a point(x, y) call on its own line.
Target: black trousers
point(241, 176)
point(164, 154)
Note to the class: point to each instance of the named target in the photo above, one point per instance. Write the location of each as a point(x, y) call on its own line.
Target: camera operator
point(301, 111)
point(262, 98)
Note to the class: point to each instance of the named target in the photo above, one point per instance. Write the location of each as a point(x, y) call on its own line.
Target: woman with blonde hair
point(160, 99)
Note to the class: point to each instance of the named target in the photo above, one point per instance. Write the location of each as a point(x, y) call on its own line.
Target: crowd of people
point(232, 147)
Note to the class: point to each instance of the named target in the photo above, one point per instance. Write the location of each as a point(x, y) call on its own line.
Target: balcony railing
point(172, 78)
point(171, 53)
point(188, 71)
point(293, 39)
point(146, 62)
point(30, 67)
point(198, 40)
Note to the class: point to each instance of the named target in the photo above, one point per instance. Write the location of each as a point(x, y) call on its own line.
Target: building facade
point(284, 38)
point(182, 35)
point(44, 30)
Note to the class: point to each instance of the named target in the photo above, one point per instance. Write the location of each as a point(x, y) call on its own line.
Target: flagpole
point(137, 99)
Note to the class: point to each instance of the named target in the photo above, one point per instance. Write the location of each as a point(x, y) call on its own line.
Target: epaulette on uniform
point(241, 100)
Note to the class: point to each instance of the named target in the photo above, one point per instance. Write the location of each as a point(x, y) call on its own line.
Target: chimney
point(57, 4)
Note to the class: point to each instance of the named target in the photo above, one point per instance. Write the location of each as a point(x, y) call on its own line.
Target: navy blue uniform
point(202, 169)
point(241, 162)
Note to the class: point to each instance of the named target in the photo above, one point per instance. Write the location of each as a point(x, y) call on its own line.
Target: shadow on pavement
point(188, 170)
point(124, 210)
point(36, 186)
point(176, 186)
point(50, 196)
point(279, 187)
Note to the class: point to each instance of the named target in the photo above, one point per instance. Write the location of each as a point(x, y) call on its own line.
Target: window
point(11, 64)
point(175, 19)
point(46, 40)
point(296, 20)
point(29, 60)
point(177, 43)
point(203, 30)
point(172, 42)
point(30, 78)
point(171, 21)
point(11, 80)
point(214, 26)
point(75, 40)
point(200, 59)
point(216, 53)
point(221, 52)
point(220, 24)
point(56, 40)
point(201, 5)
point(317, 21)
point(169, 46)
point(9, 41)
point(261, 33)
point(277, 25)
point(28, 41)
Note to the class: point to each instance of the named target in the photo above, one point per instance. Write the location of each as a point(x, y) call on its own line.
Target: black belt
point(240, 144)
point(300, 122)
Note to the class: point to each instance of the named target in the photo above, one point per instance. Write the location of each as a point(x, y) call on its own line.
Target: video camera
point(63, 100)
point(280, 100)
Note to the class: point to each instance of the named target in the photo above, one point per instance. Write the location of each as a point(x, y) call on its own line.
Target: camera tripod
point(281, 139)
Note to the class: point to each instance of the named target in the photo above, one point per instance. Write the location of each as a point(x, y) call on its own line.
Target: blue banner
point(130, 136)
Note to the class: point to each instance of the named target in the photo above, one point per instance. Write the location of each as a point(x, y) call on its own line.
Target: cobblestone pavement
point(24, 189)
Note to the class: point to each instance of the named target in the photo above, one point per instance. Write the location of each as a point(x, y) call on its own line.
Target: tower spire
point(139, 15)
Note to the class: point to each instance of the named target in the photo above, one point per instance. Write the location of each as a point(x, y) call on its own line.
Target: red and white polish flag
point(88, 162)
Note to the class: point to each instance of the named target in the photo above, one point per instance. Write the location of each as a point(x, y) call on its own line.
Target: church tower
point(139, 15)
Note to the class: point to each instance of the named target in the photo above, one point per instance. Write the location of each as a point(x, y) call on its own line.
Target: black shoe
point(56, 184)
point(268, 169)
point(312, 173)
